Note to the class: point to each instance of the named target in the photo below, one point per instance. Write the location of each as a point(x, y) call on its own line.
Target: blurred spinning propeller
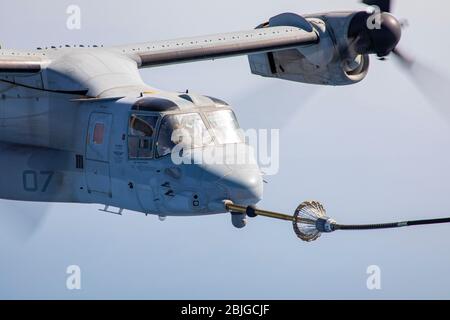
point(432, 83)
point(19, 221)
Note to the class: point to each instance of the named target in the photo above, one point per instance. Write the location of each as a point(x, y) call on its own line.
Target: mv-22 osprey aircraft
point(79, 125)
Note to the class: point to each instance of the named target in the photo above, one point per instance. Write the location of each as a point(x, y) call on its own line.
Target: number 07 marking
point(31, 180)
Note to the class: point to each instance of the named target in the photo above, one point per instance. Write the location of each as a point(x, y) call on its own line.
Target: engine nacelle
point(329, 62)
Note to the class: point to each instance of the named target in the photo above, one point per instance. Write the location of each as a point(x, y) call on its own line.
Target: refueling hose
point(390, 225)
point(310, 220)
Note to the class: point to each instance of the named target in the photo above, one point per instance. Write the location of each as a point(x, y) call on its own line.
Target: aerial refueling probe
point(310, 220)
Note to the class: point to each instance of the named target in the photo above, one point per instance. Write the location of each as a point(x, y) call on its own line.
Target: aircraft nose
point(232, 178)
point(244, 185)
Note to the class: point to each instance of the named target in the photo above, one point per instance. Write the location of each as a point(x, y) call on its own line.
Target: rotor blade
point(432, 83)
point(406, 61)
point(258, 100)
point(19, 221)
point(384, 5)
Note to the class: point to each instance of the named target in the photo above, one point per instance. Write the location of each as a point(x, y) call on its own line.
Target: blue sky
point(371, 152)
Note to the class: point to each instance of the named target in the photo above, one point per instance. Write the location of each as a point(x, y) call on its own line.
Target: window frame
point(156, 133)
point(200, 113)
point(211, 128)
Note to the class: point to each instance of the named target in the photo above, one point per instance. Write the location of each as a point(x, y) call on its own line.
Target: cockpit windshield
point(225, 126)
point(187, 129)
point(190, 131)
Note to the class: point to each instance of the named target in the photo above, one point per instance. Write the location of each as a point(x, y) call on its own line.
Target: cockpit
point(200, 128)
point(155, 134)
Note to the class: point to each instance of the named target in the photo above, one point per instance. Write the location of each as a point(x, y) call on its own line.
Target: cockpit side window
point(141, 132)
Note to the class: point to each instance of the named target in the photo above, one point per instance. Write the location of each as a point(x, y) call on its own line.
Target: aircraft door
point(97, 153)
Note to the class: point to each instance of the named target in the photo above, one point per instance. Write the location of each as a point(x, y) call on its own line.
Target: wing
point(10, 64)
point(218, 46)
